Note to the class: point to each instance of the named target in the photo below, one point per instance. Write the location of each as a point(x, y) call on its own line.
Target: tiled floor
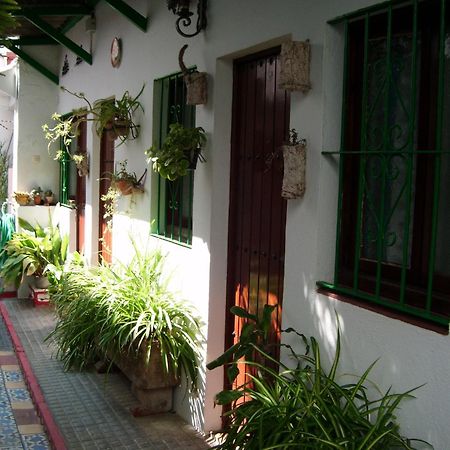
point(20, 426)
point(90, 411)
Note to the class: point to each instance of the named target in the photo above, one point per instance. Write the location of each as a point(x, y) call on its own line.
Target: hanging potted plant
point(113, 115)
point(196, 82)
point(81, 161)
point(179, 152)
point(127, 182)
point(116, 117)
point(294, 174)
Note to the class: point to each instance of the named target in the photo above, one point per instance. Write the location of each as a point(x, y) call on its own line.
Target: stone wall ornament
point(294, 156)
point(295, 66)
point(196, 82)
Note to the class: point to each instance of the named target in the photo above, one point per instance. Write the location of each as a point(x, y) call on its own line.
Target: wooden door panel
point(257, 210)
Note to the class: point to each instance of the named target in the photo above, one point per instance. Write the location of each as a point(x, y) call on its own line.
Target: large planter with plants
point(113, 312)
point(179, 152)
point(150, 384)
point(33, 252)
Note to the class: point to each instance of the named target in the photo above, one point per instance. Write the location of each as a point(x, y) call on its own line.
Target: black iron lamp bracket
point(181, 8)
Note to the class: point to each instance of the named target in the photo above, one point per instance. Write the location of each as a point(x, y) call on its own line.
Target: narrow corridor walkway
point(90, 411)
point(20, 426)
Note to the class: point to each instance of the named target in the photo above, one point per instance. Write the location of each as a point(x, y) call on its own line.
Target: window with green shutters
point(393, 233)
point(67, 176)
point(174, 198)
point(71, 187)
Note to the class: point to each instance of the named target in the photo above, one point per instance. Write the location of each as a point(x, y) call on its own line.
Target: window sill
point(379, 309)
point(173, 241)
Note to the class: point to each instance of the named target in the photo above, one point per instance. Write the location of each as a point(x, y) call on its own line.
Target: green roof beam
point(126, 10)
point(55, 10)
point(69, 24)
point(31, 61)
point(33, 40)
point(59, 37)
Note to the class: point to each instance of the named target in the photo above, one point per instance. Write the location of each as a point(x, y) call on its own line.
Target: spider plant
point(107, 311)
point(306, 407)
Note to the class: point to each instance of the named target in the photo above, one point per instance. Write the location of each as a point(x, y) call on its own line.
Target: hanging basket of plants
point(126, 182)
point(179, 153)
point(196, 82)
point(294, 174)
point(119, 128)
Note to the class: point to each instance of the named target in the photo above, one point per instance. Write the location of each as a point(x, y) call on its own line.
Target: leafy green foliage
point(305, 407)
point(7, 20)
point(111, 310)
point(33, 251)
point(171, 161)
point(104, 113)
point(5, 159)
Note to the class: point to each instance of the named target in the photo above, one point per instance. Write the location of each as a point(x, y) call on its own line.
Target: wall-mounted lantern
point(181, 8)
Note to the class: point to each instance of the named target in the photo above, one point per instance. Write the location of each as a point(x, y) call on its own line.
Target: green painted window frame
point(423, 293)
point(67, 171)
point(173, 208)
point(64, 175)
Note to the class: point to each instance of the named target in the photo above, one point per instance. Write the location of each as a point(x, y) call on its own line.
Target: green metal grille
point(64, 176)
point(67, 174)
point(389, 161)
point(174, 202)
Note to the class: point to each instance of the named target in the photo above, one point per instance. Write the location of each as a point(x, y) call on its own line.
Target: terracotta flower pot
point(37, 199)
point(116, 129)
point(124, 186)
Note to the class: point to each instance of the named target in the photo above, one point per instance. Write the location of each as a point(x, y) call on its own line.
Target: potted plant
point(22, 197)
point(125, 313)
point(294, 173)
point(116, 116)
point(113, 115)
point(48, 194)
point(126, 182)
point(36, 194)
point(32, 252)
point(179, 152)
point(81, 161)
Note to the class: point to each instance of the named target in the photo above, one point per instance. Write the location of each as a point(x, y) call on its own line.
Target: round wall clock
point(116, 52)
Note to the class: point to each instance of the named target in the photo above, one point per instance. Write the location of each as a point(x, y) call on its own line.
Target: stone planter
point(150, 384)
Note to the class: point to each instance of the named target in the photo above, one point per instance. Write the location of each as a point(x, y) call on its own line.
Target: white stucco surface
point(409, 356)
point(36, 102)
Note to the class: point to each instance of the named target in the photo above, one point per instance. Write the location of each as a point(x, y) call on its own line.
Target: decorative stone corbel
point(196, 83)
point(295, 66)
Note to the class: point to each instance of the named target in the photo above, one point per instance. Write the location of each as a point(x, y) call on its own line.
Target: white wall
point(409, 355)
point(36, 102)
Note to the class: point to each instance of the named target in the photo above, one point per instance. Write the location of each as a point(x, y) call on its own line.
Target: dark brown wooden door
point(81, 190)
point(257, 221)
point(106, 168)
